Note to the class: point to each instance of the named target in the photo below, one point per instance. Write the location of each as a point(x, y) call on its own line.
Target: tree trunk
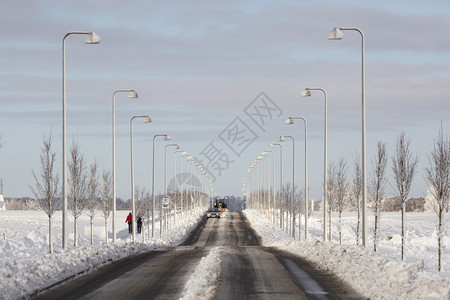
point(106, 230)
point(293, 220)
point(91, 222)
point(403, 229)
point(329, 224)
point(358, 232)
point(50, 243)
point(281, 216)
point(440, 235)
point(340, 227)
point(375, 229)
point(75, 232)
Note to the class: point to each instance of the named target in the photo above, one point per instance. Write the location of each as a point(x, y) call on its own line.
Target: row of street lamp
point(335, 34)
point(93, 38)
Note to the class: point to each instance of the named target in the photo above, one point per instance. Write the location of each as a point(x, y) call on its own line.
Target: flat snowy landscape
point(27, 268)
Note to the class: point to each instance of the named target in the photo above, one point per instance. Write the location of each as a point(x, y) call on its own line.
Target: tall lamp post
point(131, 94)
point(133, 204)
point(337, 34)
point(272, 205)
point(307, 93)
point(91, 38)
point(267, 201)
point(290, 120)
point(282, 139)
point(175, 185)
point(165, 179)
point(281, 179)
point(263, 182)
point(166, 138)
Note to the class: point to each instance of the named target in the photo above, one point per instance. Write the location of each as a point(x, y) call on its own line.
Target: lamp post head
point(167, 137)
point(335, 34)
point(289, 121)
point(281, 138)
point(306, 93)
point(183, 153)
point(147, 119)
point(132, 94)
point(92, 38)
point(270, 145)
point(176, 146)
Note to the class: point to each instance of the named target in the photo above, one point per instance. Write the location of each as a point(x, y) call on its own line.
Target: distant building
point(2, 203)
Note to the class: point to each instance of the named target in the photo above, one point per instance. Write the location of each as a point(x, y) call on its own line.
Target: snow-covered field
point(377, 276)
point(26, 267)
point(421, 236)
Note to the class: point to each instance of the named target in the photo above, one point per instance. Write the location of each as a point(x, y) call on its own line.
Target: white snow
point(26, 267)
point(373, 275)
point(202, 283)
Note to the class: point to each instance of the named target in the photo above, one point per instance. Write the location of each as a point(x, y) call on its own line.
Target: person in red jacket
point(129, 220)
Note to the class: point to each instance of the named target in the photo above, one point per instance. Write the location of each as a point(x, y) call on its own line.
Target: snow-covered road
point(26, 268)
point(228, 252)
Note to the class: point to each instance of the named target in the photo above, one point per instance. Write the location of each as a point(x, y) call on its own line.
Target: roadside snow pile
point(26, 270)
point(367, 272)
point(202, 283)
point(21, 277)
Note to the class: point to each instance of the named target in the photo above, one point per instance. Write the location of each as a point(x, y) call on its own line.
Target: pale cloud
point(196, 65)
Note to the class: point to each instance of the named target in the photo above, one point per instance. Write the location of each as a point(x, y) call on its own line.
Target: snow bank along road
point(221, 259)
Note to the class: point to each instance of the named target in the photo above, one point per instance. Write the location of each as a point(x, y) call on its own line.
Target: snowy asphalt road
point(248, 270)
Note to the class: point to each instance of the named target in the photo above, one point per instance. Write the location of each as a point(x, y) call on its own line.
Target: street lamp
point(189, 186)
point(290, 120)
point(165, 177)
point(281, 180)
point(91, 38)
point(263, 182)
point(166, 138)
point(337, 34)
point(131, 94)
point(307, 93)
point(282, 139)
point(133, 205)
point(263, 154)
point(183, 153)
point(273, 185)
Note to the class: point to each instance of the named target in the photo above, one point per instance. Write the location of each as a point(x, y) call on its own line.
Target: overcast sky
point(202, 68)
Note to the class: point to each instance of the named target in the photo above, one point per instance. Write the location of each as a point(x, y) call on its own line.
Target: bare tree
point(438, 175)
point(331, 194)
point(356, 193)
point(78, 193)
point(106, 200)
point(92, 203)
point(47, 186)
point(377, 186)
point(403, 166)
point(341, 192)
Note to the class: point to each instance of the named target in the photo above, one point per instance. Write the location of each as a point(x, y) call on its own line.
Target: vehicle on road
point(213, 213)
point(221, 204)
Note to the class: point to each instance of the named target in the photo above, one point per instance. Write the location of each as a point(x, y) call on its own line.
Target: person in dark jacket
point(139, 224)
point(129, 220)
